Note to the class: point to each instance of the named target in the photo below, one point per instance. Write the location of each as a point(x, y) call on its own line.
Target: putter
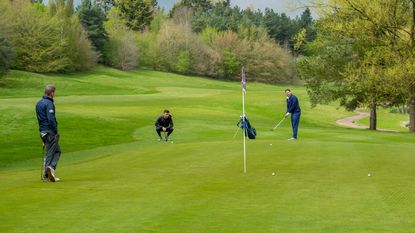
point(236, 133)
point(279, 123)
point(42, 168)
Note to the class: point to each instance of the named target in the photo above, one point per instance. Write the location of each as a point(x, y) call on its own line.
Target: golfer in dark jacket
point(48, 127)
point(293, 108)
point(164, 123)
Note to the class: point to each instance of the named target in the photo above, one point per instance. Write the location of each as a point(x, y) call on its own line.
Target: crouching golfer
point(164, 123)
point(48, 127)
point(293, 108)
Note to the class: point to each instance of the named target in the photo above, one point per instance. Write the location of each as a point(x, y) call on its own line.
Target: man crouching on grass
point(48, 127)
point(164, 124)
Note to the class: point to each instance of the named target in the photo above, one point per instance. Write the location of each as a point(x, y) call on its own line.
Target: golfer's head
point(166, 113)
point(50, 90)
point(288, 92)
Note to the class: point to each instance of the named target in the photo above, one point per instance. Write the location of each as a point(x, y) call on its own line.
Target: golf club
point(42, 168)
point(236, 133)
point(279, 123)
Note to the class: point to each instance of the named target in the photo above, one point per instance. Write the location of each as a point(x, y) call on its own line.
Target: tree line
point(197, 37)
point(363, 56)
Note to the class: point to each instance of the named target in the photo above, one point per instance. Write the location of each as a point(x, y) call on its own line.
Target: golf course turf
point(116, 177)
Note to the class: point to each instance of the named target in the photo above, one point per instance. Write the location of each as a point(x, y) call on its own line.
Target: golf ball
point(172, 142)
point(273, 173)
point(270, 144)
point(369, 174)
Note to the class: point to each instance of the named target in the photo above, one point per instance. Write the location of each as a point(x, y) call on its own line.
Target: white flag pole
point(243, 125)
point(243, 114)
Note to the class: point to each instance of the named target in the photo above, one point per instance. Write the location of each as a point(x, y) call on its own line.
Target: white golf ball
point(270, 144)
point(273, 173)
point(172, 142)
point(369, 174)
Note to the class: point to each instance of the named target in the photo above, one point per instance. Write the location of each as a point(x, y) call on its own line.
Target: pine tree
point(92, 18)
point(137, 13)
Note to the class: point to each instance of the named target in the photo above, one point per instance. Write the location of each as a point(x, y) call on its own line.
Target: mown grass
point(117, 178)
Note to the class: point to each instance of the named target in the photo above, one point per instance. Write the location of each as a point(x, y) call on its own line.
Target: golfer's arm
point(51, 119)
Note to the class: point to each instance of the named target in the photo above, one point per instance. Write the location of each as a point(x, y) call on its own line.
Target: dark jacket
point(293, 106)
point(166, 123)
point(45, 111)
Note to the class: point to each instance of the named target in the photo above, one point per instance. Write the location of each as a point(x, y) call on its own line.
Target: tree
point(196, 5)
point(183, 64)
point(137, 13)
point(395, 23)
point(92, 18)
point(231, 63)
point(37, 40)
point(76, 47)
point(306, 32)
point(365, 30)
point(306, 21)
point(121, 50)
point(7, 55)
point(105, 5)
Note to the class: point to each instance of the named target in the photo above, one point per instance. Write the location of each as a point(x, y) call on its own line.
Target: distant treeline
point(197, 37)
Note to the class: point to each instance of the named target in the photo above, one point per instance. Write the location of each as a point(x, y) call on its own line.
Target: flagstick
point(243, 124)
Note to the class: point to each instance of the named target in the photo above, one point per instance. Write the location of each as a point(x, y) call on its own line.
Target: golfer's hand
point(164, 129)
point(287, 114)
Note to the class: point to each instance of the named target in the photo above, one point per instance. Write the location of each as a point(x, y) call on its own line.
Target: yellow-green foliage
point(46, 42)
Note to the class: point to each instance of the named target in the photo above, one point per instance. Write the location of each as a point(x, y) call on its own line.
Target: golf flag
point(243, 79)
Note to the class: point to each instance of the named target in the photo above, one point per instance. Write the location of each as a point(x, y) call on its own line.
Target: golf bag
point(249, 130)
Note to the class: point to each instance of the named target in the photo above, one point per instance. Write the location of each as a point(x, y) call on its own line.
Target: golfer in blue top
point(293, 108)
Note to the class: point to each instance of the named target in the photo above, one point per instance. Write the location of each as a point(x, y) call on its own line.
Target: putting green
point(118, 178)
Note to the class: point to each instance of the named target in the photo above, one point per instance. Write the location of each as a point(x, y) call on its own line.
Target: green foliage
point(218, 54)
point(209, 35)
point(121, 50)
point(221, 17)
point(38, 41)
point(306, 22)
point(47, 40)
point(137, 13)
point(323, 72)
point(380, 44)
point(7, 55)
point(105, 5)
point(78, 49)
point(232, 65)
point(279, 27)
point(158, 19)
point(183, 64)
point(92, 19)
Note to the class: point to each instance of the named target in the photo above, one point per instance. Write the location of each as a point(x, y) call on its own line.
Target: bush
point(37, 40)
point(121, 50)
point(183, 64)
point(7, 55)
point(48, 41)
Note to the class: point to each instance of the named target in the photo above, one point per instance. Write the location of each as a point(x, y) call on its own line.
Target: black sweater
point(166, 123)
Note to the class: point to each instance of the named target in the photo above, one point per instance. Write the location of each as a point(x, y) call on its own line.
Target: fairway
point(116, 177)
